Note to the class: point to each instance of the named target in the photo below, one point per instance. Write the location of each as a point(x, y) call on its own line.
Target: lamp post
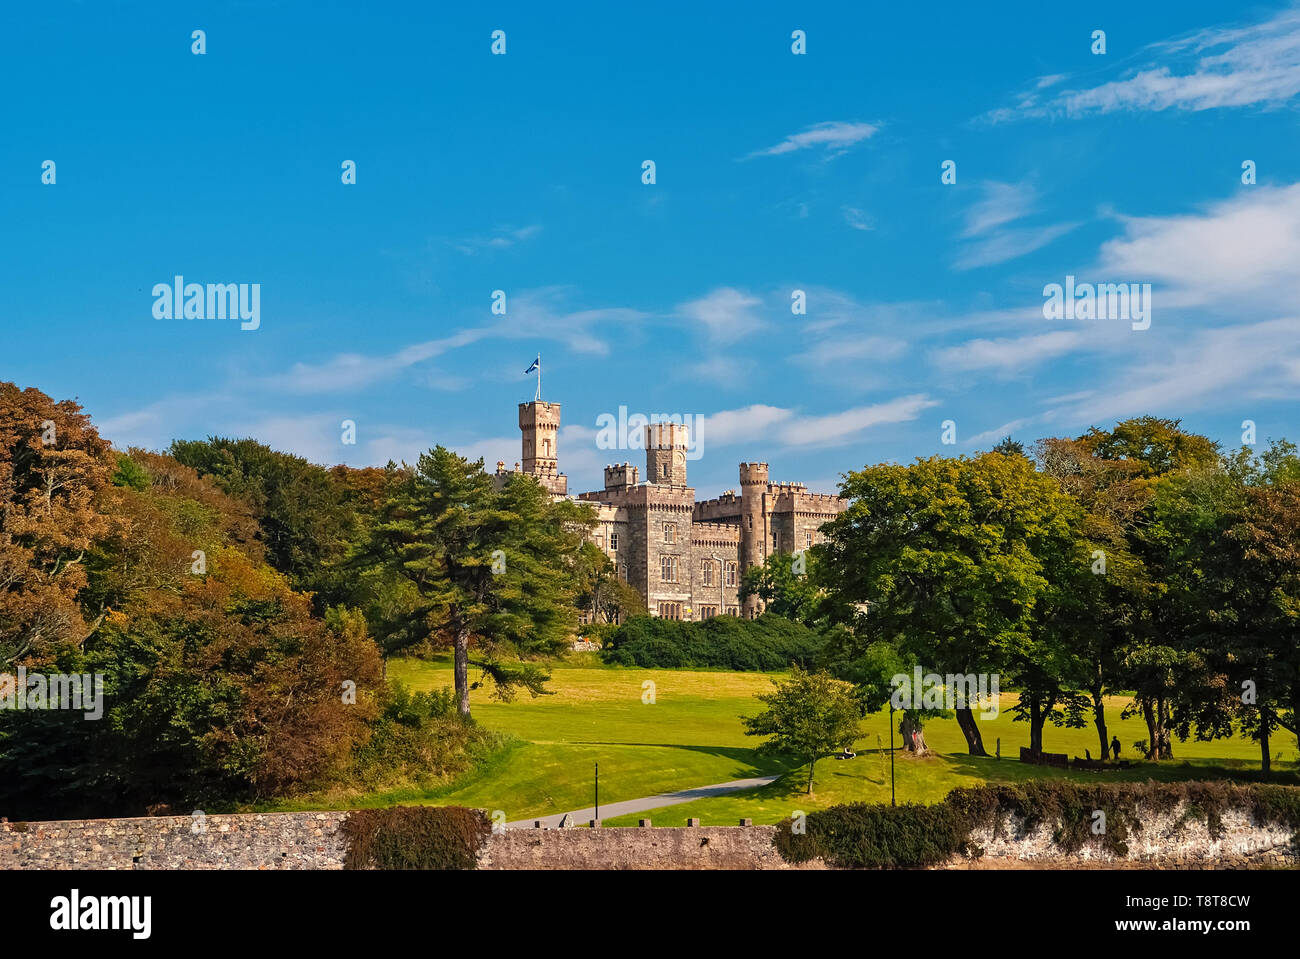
point(597, 790)
point(892, 800)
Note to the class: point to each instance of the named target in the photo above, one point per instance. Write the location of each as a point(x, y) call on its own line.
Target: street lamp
point(892, 800)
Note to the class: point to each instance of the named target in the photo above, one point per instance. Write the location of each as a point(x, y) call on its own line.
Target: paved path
point(629, 806)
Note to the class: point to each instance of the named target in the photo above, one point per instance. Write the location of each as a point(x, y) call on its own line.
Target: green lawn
point(691, 735)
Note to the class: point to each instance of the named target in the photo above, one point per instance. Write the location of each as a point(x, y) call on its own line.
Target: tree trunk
point(1164, 723)
point(1153, 743)
point(461, 671)
point(1099, 717)
point(971, 730)
point(384, 668)
point(1036, 718)
point(1265, 757)
point(811, 766)
point(913, 735)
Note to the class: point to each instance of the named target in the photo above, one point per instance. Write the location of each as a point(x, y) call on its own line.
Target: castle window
point(670, 532)
point(708, 612)
point(668, 569)
point(665, 471)
point(613, 541)
point(729, 574)
point(546, 447)
point(809, 539)
point(670, 610)
point(733, 610)
point(707, 571)
point(751, 522)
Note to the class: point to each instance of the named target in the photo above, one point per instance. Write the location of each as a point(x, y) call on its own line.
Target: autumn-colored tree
point(53, 466)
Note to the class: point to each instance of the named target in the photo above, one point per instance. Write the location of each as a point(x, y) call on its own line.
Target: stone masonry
point(685, 557)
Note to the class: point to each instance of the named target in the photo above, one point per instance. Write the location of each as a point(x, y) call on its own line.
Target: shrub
point(414, 837)
point(768, 643)
point(420, 739)
point(862, 835)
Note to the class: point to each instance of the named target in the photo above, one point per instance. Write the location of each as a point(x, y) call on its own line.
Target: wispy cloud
point(1248, 362)
point(990, 240)
point(856, 218)
point(1009, 354)
point(501, 238)
point(725, 314)
point(848, 425)
point(834, 137)
point(532, 315)
point(1255, 65)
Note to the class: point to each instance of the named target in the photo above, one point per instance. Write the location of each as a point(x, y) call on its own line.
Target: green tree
point(787, 585)
point(306, 518)
point(950, 558)
point(491, 567)
point(604, 597)
point(807, 715)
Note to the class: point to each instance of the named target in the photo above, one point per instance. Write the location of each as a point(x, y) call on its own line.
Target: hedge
point(768, 643)
point(414, 837)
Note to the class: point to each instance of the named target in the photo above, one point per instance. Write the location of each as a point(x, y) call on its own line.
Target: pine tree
point(494, 568)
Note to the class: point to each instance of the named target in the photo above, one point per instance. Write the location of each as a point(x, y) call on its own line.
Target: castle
point(685, 557)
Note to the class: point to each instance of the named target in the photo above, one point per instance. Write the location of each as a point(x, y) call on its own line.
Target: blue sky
point(774, 172)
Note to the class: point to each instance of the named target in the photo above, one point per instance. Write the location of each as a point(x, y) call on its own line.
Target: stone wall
point(254, 841)
point(311, 840)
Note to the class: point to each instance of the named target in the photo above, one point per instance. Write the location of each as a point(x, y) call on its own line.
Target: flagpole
point(539, 376)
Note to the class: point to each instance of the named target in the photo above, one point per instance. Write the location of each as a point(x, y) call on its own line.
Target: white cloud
point(1010, 244)
point(991, 243)
point(1256, 65)
point(838, 428)
point(1001, 203)
point(1253, 361)
point(856, 218)
point(1009, 354)
point(502, 238)
point(1244, 250)
point(835, 137)
point(534, 315)
point(726, 314)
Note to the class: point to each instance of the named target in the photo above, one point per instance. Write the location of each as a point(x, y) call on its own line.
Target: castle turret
point(621, 474)
point(540, 424)
point(754, 534)
point(665, 453)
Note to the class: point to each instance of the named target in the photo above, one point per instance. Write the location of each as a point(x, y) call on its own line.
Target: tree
point(490, 566)
point(605, 597)
point(1229, 542)
point(219, 684)
point(307, 513)
point(807, 715)
point(786, 583)
point(53, 467)
point(1009, 447)
point(951, 558)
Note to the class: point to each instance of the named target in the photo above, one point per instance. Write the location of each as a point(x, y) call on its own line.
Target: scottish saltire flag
point(536, 363)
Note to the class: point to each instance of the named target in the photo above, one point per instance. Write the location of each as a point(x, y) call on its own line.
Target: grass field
point(691, 735)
